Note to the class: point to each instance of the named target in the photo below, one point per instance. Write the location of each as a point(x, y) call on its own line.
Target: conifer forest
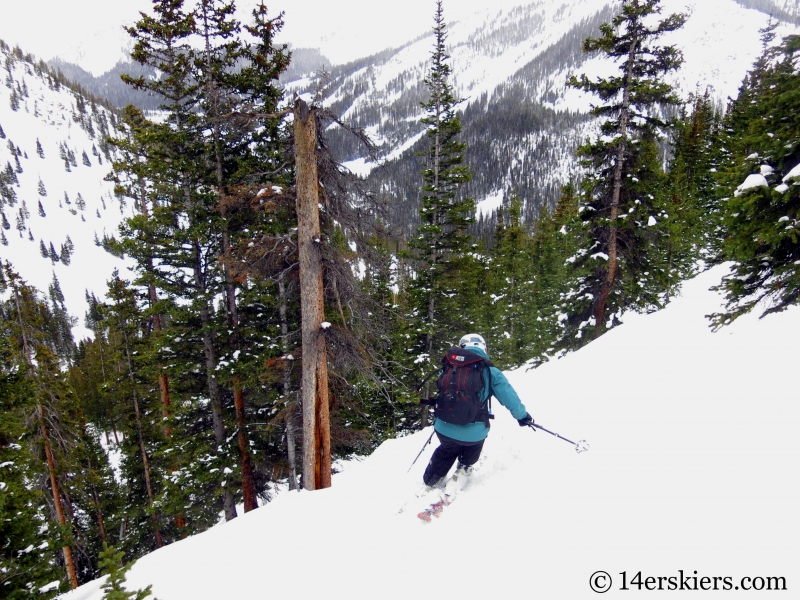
point(281, 311)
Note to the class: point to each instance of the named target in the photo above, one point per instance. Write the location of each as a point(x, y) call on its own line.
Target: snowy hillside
point(510, 66)
point(495, 47)
point(692, 469)
point(54, 194)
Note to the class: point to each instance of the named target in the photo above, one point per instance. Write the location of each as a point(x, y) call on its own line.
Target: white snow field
point(692, 468)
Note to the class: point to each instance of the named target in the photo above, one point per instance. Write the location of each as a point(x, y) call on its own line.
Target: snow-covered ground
point(692, 469)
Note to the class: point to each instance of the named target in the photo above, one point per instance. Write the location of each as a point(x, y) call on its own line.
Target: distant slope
point(521, 123)
point(78, 203)
point(691, 468)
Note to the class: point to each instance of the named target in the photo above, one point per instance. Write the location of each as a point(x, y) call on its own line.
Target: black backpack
point(460, 385)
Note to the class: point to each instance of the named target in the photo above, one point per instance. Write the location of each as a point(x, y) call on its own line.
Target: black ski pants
point(446, 454)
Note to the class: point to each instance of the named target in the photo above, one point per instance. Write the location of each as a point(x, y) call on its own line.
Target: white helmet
point(474, 340)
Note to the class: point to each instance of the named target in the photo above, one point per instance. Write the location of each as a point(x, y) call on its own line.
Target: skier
point(465, 442)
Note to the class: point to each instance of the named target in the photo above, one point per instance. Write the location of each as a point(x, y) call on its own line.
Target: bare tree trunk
point(62, 521)
point(314, 391)
point(613, 259)
point(245, 459)
point(291, 443)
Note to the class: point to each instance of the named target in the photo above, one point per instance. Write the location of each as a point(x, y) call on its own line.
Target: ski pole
point(423, 450)
point(580, 446)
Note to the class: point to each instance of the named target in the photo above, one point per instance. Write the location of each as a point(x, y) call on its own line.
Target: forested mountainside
point(521, 124)
point(56, 207)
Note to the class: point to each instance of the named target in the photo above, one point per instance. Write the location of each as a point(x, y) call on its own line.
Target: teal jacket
point(502, 391)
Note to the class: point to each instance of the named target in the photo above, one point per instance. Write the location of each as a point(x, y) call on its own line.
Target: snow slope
point(47, 115)
point(692, 466)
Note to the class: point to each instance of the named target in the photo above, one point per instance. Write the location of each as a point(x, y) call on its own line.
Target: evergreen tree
point(761, 208)
point(41, 188)
point(694, 217)
point(111, 564)
point(39, 149)
point(41, 210)
point(620, 211)
point(510, 287)
point(27, 562)
point(20, 223)
point(37, 337)
point(85, 158)
point(439, 293)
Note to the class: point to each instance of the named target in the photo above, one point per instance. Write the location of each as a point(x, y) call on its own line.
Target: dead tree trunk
point(314, 390)
point(69, 563)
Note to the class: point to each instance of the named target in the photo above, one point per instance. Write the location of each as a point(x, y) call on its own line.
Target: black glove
point(526, 421)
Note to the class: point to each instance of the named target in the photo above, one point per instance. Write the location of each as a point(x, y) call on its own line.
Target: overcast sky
point(90, 31)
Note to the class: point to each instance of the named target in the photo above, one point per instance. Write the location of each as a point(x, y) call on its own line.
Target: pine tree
point(37, 336)
point(80, 202)
point(14, 100)
point(66, 254)
point(111, 565)
point(122, 317)
point(619, 210)
point(43, 250)
point(510, 287)
point(694, 224)
point(20, 223)
point(26, 562)
point(41, 188)
point(761, 207)
point(442, 243)
point(39, 149)
point(41, 210)
point(85, 158)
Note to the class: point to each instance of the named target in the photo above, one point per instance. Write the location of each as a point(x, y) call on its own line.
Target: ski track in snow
point(692, 466)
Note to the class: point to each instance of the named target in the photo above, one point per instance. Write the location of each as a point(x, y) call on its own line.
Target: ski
point(450, 491)
point(435, 509)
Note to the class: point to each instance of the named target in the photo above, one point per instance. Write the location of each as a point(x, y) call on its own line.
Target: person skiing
point(465, 442)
